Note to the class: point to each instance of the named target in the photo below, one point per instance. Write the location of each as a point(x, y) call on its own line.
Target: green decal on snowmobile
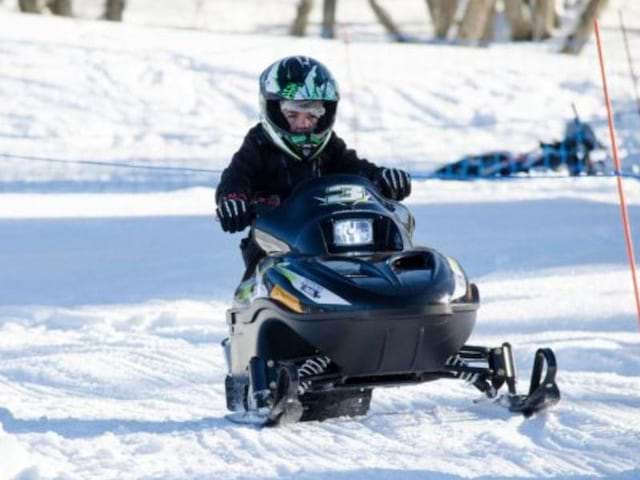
point(310, 289)
point(244, 291)
point(288, 274)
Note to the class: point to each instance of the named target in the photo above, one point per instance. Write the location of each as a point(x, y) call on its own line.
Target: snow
point(103, 99)
point(114, 283)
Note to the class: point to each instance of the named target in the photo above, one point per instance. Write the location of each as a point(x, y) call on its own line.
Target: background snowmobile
point(578, 153)
point(343, 303)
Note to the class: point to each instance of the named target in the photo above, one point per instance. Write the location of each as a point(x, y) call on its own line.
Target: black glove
point(233, 213)
point(393, 183)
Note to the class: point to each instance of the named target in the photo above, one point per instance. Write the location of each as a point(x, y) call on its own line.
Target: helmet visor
point(302, 116)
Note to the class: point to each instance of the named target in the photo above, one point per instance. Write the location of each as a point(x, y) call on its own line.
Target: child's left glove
point(393, 183)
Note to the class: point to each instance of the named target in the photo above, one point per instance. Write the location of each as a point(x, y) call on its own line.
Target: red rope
point(616, 161)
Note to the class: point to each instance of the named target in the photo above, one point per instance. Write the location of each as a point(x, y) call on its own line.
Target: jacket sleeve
point(240, 176)
point(345, 160)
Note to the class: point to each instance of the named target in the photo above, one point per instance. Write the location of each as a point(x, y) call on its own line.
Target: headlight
point(353, 232)
point(460, 289)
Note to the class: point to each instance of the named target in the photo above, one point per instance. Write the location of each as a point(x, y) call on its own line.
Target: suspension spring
point(311, 367)
point(456, 361)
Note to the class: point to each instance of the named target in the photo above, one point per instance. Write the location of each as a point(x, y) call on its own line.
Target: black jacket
point(260, 167)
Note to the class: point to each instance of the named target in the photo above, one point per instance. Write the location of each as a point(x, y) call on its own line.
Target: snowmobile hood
point(416, 277)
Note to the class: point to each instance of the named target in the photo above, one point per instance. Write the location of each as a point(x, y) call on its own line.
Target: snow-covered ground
point(112, 304)
point(94, 91)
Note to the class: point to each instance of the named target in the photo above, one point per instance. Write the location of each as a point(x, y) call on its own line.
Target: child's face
point(301, 122)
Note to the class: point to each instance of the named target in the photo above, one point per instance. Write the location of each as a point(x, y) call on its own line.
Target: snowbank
point(15, 463)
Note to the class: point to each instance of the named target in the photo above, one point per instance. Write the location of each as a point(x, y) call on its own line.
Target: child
point(293, 141)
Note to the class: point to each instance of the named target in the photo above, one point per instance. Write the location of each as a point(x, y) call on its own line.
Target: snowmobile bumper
point(367, 343)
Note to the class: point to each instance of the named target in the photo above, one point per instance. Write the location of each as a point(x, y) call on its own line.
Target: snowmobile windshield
point(335, 214)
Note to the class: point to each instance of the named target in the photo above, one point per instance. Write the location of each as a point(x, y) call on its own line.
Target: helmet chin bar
point(276, 138)
point(302, 152)
point(306, 150)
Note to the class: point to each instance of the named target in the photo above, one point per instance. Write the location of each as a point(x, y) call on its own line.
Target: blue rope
point(415, 175)
point(111, 164)
point(445, 176)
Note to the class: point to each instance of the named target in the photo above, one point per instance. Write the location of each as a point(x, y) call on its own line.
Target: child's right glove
point(393, 183)
point(233, 213)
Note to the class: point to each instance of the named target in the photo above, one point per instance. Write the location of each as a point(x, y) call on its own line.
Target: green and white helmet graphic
point(298, 79)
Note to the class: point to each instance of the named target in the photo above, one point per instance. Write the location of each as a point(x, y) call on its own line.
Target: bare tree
point(61, 7)
point(583, 29)
point(489, 26)
point(299, 26)
point(57, 7)
point(518, 14)
point(30, 6)
point(442, 14)
point(387, 22)
point(329, 19)
point(543, 19)
point(114, 9)
point(474, 22)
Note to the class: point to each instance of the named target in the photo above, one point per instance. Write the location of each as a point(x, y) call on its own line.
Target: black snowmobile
point(343, 303)
point(578, 153)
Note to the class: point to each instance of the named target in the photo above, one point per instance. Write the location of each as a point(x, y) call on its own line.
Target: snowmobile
point(343, 303)
point(578, 153)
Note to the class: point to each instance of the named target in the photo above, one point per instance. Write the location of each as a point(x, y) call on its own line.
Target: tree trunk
point(475, 19)
point(387, 22)
point(30, 6)
point(519, 17)
point(543, 19)
point(557, 19)
point(442, 14)
point(299, 26)
point(433, 10)
point(329, 19)
point(113, 10)
point(489, 27)
point(581, 33)
point(61, 7)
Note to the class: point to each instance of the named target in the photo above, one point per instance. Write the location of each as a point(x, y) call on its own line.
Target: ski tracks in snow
point(122, 393)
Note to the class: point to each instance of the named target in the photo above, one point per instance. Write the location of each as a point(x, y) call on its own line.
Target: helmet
point(298, 79)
